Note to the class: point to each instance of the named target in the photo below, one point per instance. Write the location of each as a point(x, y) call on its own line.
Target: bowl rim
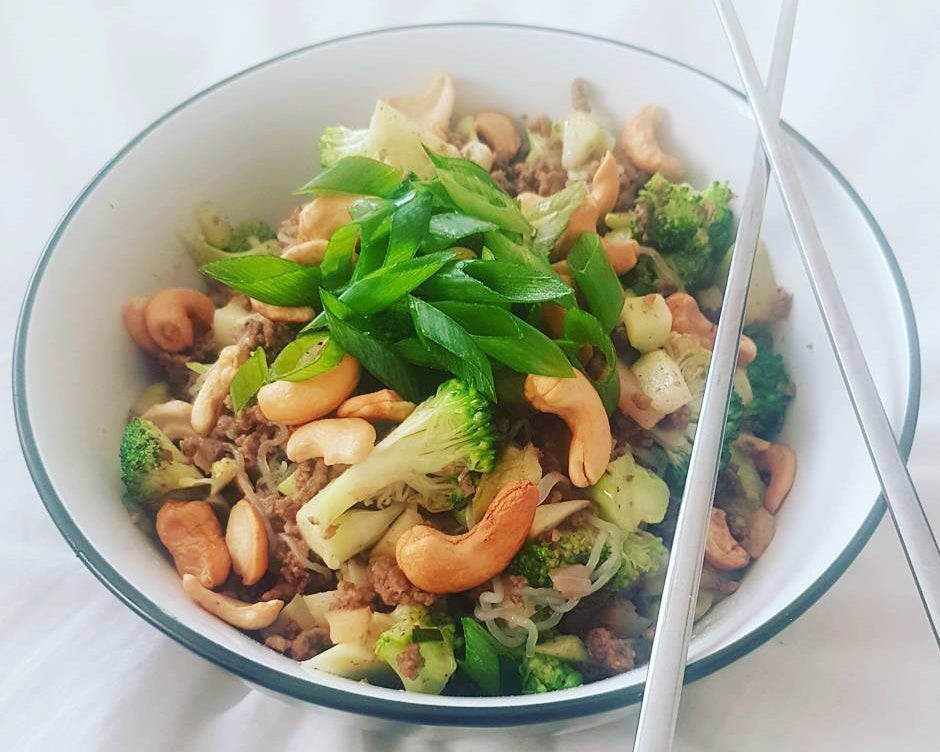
point(402, 710)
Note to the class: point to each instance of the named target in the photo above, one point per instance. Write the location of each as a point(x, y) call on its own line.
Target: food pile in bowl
point(432, 431)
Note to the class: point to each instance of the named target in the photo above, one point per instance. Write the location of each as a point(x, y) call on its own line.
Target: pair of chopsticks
point(666, 671)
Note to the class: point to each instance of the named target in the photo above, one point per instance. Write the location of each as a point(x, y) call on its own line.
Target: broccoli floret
point(249, 235)
point(629, 495)
point(643, 553)
point(770, 386)
point(419, 648)
point(538, 557)
point(545, 673)
point(454, 427)
point(151, 466)
point(691, 229)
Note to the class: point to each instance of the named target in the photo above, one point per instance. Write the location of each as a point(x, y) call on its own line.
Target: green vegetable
point(691, 229)
point(549, 216)
point(458, 351)
point(517, 283)
point(770, 386)
point(508, 339)
point(565, 648)
point(435, 658)
point(483, 657)
point(581, 329)
point(538, 557)
point(409, 226)
point(377, 291)
point(270, 279)
point(545, 673)
point(452, 428)
point(337, 263)
point(596, 280)
point(357, 175)
point(453, 283)
point(504, 249)
point(475, 192)
point(629, 495)
point(151, 466)
point(248, 236)
point(642, 553)
point(305, 357)
point(448, 228)
point(391, 137)
point(251, 376)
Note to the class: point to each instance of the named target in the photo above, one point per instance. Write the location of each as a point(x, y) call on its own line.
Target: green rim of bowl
point(546, 710)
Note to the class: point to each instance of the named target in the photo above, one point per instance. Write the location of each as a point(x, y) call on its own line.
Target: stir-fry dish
point(432, 431)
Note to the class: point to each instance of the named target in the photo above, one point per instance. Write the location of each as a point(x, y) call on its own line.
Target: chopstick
point(910, 520)
point(660, 707)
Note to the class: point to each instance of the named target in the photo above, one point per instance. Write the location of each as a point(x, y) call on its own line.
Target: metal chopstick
point(917, 539)
point(660, 707)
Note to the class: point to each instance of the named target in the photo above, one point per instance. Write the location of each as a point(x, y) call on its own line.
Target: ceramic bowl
point(248, 141)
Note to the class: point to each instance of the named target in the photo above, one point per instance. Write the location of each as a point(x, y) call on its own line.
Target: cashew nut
point(583, 219)
point(778, 461)
point(430, 110)
point(136, 325)
point(687, 318)
point(284, 314)
point(605, 186)
point(171, 314)
point(247, 542)
point(500, 134)
point(477, 151)
point(192, 535)
point(208, 403)
point(295, 402)
point(385, 404)
point(174, 418)
point(759, 533)
point(339, 441)
point(575, 401)
point(440, 563)
point(633, 401)
point(310, 252)
point(621, 253)
point(638, 139)
point(237, 613)
point(722, 551)
point(323, 216)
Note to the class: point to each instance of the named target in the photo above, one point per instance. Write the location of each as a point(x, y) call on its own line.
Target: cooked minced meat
point(410, 660)
point(609, 655)
point(393, 587)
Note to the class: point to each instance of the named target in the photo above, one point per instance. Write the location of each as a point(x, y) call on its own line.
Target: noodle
point(302, 557)
point(547, 483)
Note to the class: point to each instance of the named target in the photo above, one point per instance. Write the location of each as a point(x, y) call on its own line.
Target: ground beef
point(246, 430)
point(542, 176)
point(278, 643)
point(353, 596)
point(292, 577)
point(393, 587)
point(409, 661)
point(309, 643)
point(178, 375)
point(202, 450)
point(261, 332)
point(309, 478)
point(678, 419)
point(631, 180)
point(608, 655)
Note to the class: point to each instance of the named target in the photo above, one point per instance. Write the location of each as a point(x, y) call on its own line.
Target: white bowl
point(249, 140)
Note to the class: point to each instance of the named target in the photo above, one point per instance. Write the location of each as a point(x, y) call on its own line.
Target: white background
point(79, 671)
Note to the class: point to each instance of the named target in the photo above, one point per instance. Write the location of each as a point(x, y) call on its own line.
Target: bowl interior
point(248, 142)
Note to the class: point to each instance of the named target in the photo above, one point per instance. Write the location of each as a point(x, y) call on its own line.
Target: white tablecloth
point(79, 671)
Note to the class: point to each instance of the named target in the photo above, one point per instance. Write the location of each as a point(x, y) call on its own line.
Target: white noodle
point(547, 483)
point(302, 557)
point(266, 480)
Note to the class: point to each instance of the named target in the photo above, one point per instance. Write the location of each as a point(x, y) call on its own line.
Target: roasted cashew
point(439, 563)
point(621, 253)
point(283, 314)
point(687, 318)
point(309, 252)
point(136, 324)
point(553, 319)
point(295, 402)
point(174, 418)
point(191, 533)
point(722, 551)
point(207, 407)
point(583, 219)
point(500, 134)
point(638, 139)
point(170, 316)
point(247, 542)
point(778, 461)
point(432, 109)
point(759, 533)
point(478, 152)
point(633, 401)
point(575, 401)
point(385, 404)
point(605, 185)
point(323, 216)
point(339, 441)
point(239, 614)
